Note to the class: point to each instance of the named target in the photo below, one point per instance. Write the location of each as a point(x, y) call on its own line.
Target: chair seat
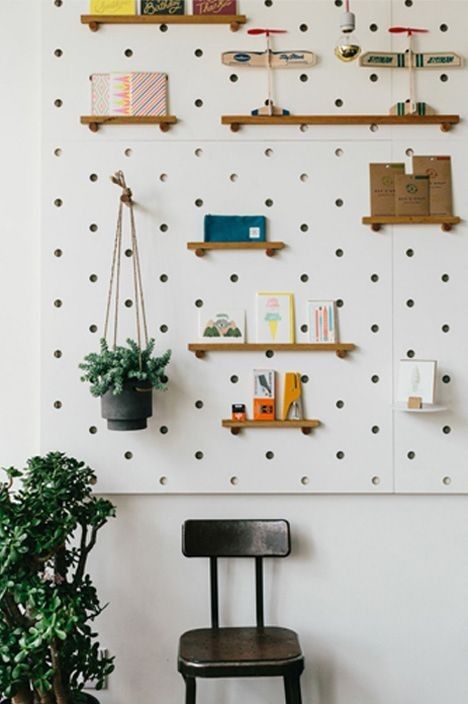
point(233, 648)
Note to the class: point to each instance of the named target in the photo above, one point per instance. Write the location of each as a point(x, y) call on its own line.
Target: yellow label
point(113, 7)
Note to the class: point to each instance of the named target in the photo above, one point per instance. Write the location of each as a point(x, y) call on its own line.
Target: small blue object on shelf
point(235, 228)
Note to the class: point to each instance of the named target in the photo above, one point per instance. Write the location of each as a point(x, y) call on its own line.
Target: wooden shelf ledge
point(95, 21)
point(200, 349)
point(200, 248)
point(445, 221)
point(445, 121)
point(235, 426)
point(96, 121)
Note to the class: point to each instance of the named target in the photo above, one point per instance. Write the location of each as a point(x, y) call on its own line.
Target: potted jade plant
point(48, 527)
point(124, 378)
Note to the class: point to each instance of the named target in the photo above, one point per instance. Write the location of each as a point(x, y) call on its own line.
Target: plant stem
point(23, 694)
point(62, 694)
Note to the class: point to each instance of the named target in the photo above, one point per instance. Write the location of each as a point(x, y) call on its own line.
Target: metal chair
point(261, 651)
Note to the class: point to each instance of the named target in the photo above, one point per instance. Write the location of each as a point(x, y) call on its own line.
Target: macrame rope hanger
point(113, 297)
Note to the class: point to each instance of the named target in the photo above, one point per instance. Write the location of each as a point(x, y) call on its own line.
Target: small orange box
point(264, 409)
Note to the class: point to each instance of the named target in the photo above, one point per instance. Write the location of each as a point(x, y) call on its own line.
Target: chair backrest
point(236, 538)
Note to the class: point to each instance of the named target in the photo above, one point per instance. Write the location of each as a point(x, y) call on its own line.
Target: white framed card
point(322, 321)
point(275, 317)
point(416, 377)
point(221, 325)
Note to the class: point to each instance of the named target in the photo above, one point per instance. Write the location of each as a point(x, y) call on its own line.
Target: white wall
point(376, 586)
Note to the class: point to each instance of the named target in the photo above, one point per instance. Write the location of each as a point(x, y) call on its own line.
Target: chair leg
point(292, 690)
point(287, 690)
point(190, 690)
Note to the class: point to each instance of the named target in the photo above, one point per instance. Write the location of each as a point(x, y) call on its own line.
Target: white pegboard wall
point(362, 446)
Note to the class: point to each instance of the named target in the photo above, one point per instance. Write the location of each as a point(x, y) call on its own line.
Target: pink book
point(214, 7)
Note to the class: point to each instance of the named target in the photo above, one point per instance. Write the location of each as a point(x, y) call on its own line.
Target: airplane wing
point(383, 59)
point(259, 59)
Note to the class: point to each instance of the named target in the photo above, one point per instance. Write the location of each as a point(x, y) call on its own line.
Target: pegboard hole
point(58, 253)
point(340, 455)
point(58, 53)
point(374, 27)
point(93, 227)
point(163, 328)
point(447, 481)
point(375, 481)
point(198, 152)
point(339, 3)
point(304, 278)
point(198, 103)
point(446, 379)
point(445, 278)
point(233, 77)
point(163, 227)
point(374, 127)
point(58, 3)
point(163, 28)
point(339, 303)
point(234, 379)
point(234, 278)
point(303, 28)
point(199, 303)
point(303, 77)
point(233, 177)
point(234, 481)
point(339, 253)
point(164, 278)
point(57, 354)
point(163, 481)
point(410, 303)
point(304, 227)
point(129, 253)
point(340, 404)
point(409, 3)
point(58, 152)
point(410, 354)
point(375, 378)
point(411, 455)
point(93, 328)
point(339, 152)
point(93, 177)
point(199, 455)
point(128, 455)
point(57, 405)
point(164, 430)
point(268, 152)
point(305, 481)
point(339, 202)
point(199, 203)
point(270, 455)
point(93, 430)
point(270, 354)
point(409, 152)
point(410, 252)
point(58, 103)
point(446, 430)
point(198, 53)
point(338, 103)
point(58, 303)
point(444, 78)
point(269, 203)
point(199, 405)
point(93, 278)
point(163, 178)
point(373, 78)
point(128, 152)
point(374, 278)
point(445, 328)
point(304, 128)
point(128, 303)
point(443, 27)
point(58, 202)
point(128, 53)
point(375, 430)
point(304, 177)
point(304, 328)
point(304, 379)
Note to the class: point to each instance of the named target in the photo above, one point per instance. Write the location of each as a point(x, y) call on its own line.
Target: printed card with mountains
point(222, 325)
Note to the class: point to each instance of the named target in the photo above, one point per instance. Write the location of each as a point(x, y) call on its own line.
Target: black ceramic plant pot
point(130, 409)
point(88, 699)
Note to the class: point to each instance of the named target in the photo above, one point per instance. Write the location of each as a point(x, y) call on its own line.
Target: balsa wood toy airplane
point(411, 61)
point(270, 60)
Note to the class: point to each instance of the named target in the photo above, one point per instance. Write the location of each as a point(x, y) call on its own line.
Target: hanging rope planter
point(124, 377)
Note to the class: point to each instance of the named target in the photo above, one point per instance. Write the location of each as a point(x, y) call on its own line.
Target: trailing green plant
point(48, 527)
point(109, 369)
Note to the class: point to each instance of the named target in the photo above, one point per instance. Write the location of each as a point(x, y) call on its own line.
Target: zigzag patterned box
point(129, 94)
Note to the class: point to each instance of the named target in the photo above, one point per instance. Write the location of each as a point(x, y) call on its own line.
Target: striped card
point(149, 94)
point(321, 318)
point(129, 94)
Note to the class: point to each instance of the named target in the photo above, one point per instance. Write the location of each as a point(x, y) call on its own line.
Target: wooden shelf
point(235, 426)
point(202, 348)
point(95, 21)
point(95, 121)
point(445, 221)
point(200, 248)
point(445, 121)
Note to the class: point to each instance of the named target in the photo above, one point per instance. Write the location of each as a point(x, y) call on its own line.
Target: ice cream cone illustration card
point(222, 325)
point(275, 317)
